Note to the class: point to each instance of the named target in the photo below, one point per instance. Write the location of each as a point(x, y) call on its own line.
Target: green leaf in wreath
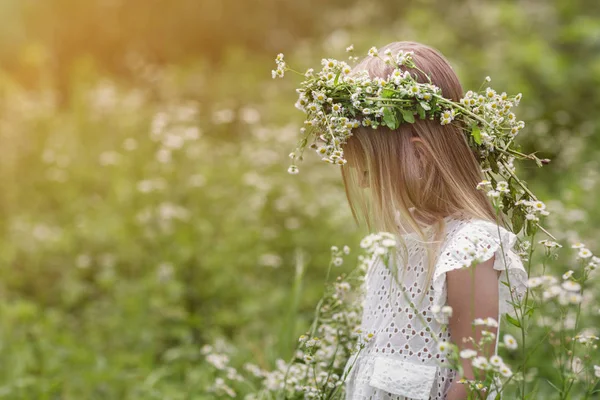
point(425, 106)
point(387, 94)
point(476, 133)
point(390, 119)
point(421, 110)
point(408, 116)
point(337, 77)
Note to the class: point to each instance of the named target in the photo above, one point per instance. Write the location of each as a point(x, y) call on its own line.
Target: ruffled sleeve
point(478, 241)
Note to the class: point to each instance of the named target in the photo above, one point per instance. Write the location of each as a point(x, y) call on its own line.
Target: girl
point(421, 181)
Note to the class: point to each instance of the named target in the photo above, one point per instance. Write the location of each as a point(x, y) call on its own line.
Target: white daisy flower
point(584, 253)
point(567, 274)
point(373, 52)
point(480, 362)
point(468, 353)
point(510, 342)
point(496, 360)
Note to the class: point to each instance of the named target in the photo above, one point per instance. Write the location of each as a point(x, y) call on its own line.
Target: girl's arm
point(472, 293)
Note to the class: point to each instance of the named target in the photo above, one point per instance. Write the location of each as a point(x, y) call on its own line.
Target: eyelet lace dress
point(402, 360)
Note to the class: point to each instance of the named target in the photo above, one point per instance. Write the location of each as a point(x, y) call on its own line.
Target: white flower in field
point(577, 365)
point(163, 156)
point(346, 250)
point(584, 253)
point(538, 206)
point(551, 292)
point(549, 243)
point(220, 386)
point(574, 298)
point(567, 274)
point(488, 79)
point(496, 360)
point(109, 158)
point(293, 170)
point(350, 48)
point(502, 187)
point(493, 194)
point(510, 342)
point(373, 52)
point(571, 286)
point(484, 184)
point(480, 362)
point(505, 371)
point(388, 243)
point(584, 338)
point(83, 261)
point(491, 322)
point(270, 260)
point(443, 347)
point(196, 180)
point(577, 245)
point(130, 144)
point(447, 310)
point(219, 361)
point(534, 282)
point(308, 359)
point(468, 353)
point(597, 371)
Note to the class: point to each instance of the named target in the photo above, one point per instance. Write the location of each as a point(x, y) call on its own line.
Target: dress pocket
point(403, 378)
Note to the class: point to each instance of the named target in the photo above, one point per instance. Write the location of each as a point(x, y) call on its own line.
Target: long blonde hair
point(407, 181)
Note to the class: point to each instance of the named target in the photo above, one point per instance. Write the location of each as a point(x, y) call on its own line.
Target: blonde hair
point(428, 179)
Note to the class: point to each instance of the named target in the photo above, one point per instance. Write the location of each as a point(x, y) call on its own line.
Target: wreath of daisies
point(336, 101)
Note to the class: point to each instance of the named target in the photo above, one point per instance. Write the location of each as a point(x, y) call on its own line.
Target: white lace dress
point(402, 360)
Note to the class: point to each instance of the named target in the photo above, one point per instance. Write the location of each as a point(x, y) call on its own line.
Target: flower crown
point(336, 101)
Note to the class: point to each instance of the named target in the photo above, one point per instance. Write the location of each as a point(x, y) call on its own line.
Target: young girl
point(421, 180)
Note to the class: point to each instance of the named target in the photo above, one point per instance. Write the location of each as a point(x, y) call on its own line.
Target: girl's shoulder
point(470, 241)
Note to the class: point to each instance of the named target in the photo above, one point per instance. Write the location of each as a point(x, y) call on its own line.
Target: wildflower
point(480, 362)
point(447, 310)
point(373, 52)
point(584, 253)
point(293, 170)
point(350, 48)
point(571, 286)
point(538, 206)
point(496, 361)
point(483, 184)
point(346, 250)
point(468, 353)
point(491, 322)
point(510, 342)
point(502, 187)
point(597, 371)
point(567, 274)
point(577, 245)
point(488, 79)
point(505, 371)
point(443, 347)
point(549, 243)
point(534, 282)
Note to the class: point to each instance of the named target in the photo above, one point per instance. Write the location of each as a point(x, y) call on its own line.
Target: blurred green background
point(145, 207)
